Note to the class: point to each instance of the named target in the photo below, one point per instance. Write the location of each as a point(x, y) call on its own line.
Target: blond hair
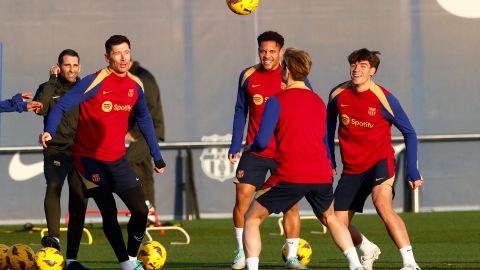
point(298, 63)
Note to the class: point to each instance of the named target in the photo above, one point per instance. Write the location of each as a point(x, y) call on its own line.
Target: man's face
point(70, 68)
point(269, 54)
point(361, 73)
point(119, 58)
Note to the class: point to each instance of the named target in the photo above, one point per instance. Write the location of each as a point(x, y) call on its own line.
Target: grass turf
point(447, 240)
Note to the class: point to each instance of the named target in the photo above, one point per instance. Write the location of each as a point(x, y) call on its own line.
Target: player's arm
point(401, 121)
point(15, 104)
point(270, 117)
point(239, 119)
point(332, 115)
point(145, 123)
point(73, 97)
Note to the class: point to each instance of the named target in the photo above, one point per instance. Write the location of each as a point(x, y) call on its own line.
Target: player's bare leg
point(341, 237)
point(382, 196)
point(251, 236)
point(292, 226)
point(244, 194)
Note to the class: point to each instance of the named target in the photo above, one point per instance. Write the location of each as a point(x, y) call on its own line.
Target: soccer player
point(106, 99)
point(137, 152)
point(296, 119)
point(58, 161)
point(19, 103)
point(366, 111)
point(256, 85)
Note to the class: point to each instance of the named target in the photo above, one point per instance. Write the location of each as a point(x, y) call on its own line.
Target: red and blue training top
point(255, 86)
point(364, 130)
point(106, 101)
point(297, 119)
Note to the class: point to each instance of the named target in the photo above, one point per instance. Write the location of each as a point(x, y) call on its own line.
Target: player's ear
point(107, 59)
point(373, 71)
point(79, 68)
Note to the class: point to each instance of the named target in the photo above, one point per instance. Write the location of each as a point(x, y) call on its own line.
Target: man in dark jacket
point(138, 153)
point(58, 162)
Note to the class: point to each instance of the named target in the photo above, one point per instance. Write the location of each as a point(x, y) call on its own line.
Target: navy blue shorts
point(253, 170)
point(284, 195)
point(116, 176)
point(353, 189)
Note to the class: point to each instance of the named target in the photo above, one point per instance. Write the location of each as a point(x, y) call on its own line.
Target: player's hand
point(34, 106)
point(26, 96)
point(129, 137)
point(416, 183)
point(44, 138)
point(55, 70)
point(159, 170)
point(233, 158)
point(159, 166)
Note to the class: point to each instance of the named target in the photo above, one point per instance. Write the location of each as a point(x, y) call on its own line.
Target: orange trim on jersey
point(340, 89)
point(100, 77)
point(298, 84)
point(136, 79)
point(248, 73)
point(381, 96)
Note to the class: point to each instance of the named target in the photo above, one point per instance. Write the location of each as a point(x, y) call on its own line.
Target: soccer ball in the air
point(20, 256)
point(242, 7)
point(49, 258)
point(3, 256)
point(152, 254)
point(304, 252)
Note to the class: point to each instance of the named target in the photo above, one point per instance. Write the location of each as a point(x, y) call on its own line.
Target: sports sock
point(252, 263)
point(239, 237)
point(58, 239)
point(407, 255)
point(68, 261)
point(365, 245)
point(126, 265)
point(292, 244)
point(352, 257)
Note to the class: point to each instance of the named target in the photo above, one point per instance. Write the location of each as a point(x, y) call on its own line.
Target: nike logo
point(255, 85)
point(55, 97)
point(20, 171)
point(344, 105)
point(378, 179)
point(106, 92)
point(139, 239)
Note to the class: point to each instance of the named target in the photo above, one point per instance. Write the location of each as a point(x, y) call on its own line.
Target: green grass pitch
point(446, 240)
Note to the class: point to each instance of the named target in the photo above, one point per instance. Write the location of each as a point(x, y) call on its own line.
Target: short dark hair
point(365, 55)
point(115, 40)
point(69, 52)
point(270, 36)
point(298, 63)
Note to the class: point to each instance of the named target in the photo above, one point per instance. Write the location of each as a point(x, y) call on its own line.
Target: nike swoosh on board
point(20, 171)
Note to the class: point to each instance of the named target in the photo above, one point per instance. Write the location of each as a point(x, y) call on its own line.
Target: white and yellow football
point(49, 258)
point(242, 7)
point(3, 256)
point(152, 254)
point(304, 252)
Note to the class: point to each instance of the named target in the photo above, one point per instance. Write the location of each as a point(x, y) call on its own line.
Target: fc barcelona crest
point(214, 160)
point(130, 92)
point(372, 111)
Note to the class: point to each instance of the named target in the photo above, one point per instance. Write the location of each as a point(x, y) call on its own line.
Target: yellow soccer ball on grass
point(3, 256)
point(20, 256)
point(49, 258)
point(152, 254)
point(242, 7)
point(304, 252)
